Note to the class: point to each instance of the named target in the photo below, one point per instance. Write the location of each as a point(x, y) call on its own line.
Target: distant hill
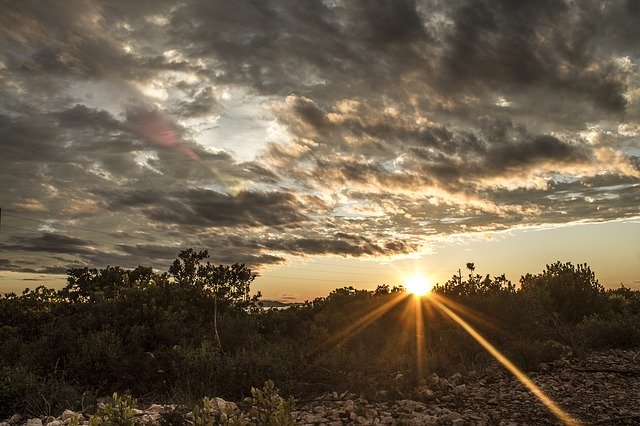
point(277, 304)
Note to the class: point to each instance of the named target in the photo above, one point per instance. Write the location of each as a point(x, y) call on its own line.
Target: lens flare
point(524, 379)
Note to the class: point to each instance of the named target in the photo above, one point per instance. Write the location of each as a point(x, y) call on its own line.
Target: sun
point(418, 285)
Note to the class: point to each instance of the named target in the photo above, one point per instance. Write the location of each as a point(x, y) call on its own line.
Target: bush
point(529, 354)
point(617, 331)
point(119, 412)
point(154, 335)
point(21, 391)
point(570, 291)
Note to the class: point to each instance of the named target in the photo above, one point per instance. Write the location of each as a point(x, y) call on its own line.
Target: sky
point(322, 143)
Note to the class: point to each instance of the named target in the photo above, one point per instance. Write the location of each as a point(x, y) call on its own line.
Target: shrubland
point(196, 331)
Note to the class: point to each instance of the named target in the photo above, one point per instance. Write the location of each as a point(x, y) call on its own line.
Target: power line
point(115, 235)
point(123, 259)
point(332, 272)
point(315, 279)
point(111, 234)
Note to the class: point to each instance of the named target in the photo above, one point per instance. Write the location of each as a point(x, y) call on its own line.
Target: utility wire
point(122, 259)
point(115, 235)
point(111, 234)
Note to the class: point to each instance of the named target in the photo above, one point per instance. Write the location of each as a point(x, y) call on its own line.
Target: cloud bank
point(265, 130)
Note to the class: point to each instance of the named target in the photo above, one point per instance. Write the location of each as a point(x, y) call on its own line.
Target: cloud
point(384, 125)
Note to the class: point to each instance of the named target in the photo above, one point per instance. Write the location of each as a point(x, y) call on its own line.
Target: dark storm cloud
point(74, 39)
point(341, 244)
point(201, 207)
point(527, 44)
point(278, 46)
point(81, 116)
point(49, 243)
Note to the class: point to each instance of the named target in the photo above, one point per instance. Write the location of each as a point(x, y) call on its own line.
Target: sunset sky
point(323, 143)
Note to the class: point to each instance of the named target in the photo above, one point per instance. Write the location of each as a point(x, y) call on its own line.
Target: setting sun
point(418, 285)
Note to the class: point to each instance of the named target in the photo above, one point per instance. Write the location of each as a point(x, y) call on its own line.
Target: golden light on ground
point(524, 379)
point(418, 285)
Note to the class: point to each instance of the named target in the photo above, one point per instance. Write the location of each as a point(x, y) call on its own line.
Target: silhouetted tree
point(227, 283)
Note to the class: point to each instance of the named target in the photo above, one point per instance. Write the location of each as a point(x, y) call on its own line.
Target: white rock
point(156, 408)
point(33, 422)
point(67, 414)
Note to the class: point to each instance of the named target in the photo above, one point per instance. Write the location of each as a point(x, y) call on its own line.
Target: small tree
point(227, 283)
point(572, 292)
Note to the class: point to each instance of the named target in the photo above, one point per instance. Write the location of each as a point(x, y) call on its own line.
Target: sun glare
point(418, 285)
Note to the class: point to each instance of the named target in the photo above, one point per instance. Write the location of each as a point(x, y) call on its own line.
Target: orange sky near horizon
point(612, 250)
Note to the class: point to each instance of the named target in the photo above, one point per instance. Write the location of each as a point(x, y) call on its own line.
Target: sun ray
point(359, 325)
point(469, 312)
point(521, 376)
point(419, 337)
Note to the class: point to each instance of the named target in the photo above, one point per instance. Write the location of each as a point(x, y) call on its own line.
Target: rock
point(5, 424)
point(54, 423)
point(386, 420)
point(444, 384)
point(451, 416)
point(460, 389)
point(370, 413)
point(349, 406)
point(33, 422)
point(433, 380)
point(456, 378)
point(424, 392)
point(15, 419)
point(67, 414)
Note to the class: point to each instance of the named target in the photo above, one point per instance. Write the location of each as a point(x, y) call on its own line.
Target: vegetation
point(196, 331)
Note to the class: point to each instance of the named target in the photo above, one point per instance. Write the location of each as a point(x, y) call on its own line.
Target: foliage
point(119, 412)
point(196, 330)
point(268, 407)
point(572, 292)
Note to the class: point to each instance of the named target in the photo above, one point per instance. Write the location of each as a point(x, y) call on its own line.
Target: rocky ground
point(602, 389)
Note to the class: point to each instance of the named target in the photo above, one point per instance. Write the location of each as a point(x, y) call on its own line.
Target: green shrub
point(268, 407)
point(22, 391)
point(118, 412)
